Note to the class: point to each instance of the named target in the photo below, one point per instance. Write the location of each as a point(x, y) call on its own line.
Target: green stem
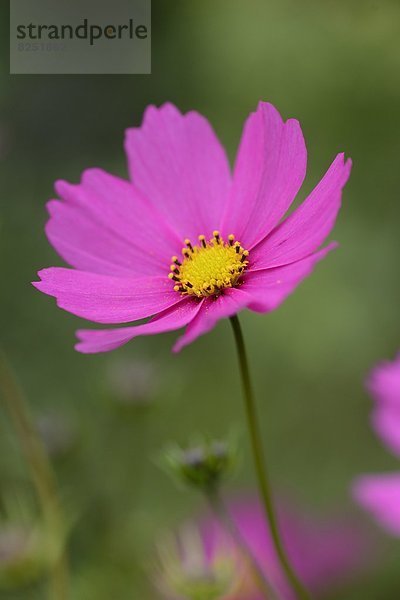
point(41, 472)
point(260, 466)
point(220, 511)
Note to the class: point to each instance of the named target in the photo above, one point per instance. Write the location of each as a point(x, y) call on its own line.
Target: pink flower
point(380, 494)
point(119, 236)
point(325, 553)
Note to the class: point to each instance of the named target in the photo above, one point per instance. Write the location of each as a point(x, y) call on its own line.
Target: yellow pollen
point(209, 267)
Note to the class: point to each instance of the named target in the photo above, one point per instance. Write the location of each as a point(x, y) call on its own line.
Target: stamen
point(209, 267)
point(189, 245)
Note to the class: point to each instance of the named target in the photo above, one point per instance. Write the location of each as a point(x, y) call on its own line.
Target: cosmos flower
point(185, 242)
point(380, 494)
point(326, 553)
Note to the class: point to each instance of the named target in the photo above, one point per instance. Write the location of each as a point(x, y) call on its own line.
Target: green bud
point(202, 465)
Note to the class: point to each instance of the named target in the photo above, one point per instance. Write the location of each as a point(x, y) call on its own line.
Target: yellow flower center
point(209, 267)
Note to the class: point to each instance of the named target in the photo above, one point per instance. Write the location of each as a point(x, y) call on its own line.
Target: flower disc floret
point(209, 267)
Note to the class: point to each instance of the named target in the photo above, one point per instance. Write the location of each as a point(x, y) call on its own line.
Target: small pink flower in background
point(380, 494)
point(185, 242)
point(384, 386)
point(325, 552)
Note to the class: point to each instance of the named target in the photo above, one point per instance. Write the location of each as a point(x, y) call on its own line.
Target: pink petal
point(106, 299)
point(178, 162)
point(268, 288)
point(269, 171)
point(106, 226)
point(386, 422)
point(384, 386)
point(380, 494)
point(262, 291)
point(308, 226)
point(93, 341)
point(325, 551)
point(228, 304)
point(384, 382)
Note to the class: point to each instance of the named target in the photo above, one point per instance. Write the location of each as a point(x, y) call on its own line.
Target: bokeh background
point(335, 66)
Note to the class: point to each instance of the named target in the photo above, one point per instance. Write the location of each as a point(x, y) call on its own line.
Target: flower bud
point(202, 465)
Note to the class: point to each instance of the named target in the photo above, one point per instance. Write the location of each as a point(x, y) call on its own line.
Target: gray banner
point(80, 36)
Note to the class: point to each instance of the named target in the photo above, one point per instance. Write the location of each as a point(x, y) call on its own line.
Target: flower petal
point(262, 291)
point(93, 341)
point(384, 382)
point(269, 171)
point(386, 422)
point(178, 162)
point(228, 304)
point(380, 494)
point(268, 288)
point(106, 226)
point(308, 226)
point(104, 299)
point(384, 386)
point(325, 551)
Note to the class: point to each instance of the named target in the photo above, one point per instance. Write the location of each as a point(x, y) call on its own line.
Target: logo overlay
point(80, 37)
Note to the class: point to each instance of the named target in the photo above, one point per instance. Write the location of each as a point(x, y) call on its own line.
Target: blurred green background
point(335, 66)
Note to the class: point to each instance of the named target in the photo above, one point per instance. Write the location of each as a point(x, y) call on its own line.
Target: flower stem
point(41, 472)
point(260, 466)
point(222, 514)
